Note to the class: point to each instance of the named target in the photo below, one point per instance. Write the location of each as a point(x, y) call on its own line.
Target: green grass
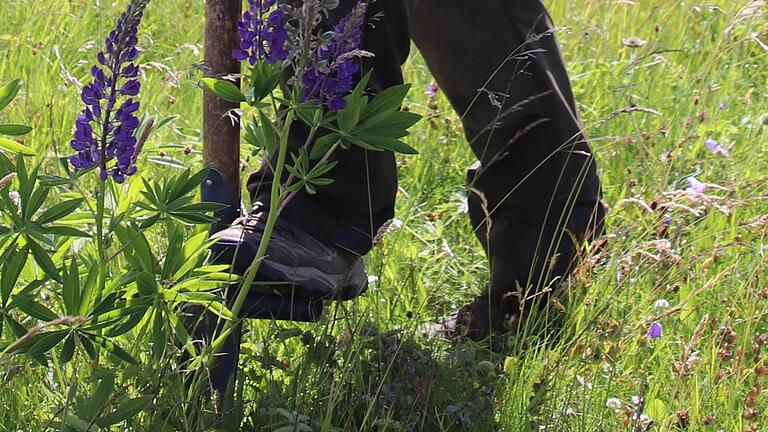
point(704, 75)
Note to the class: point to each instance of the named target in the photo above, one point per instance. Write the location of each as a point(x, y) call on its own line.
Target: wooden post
point(221, 134)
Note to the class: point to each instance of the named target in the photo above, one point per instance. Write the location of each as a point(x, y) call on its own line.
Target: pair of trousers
point(534, 192)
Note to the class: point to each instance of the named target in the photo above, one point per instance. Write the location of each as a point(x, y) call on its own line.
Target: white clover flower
point(614, 403)
point(661, 304)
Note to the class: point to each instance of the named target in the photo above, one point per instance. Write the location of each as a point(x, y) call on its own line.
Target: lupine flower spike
point(262, 33)
point(105, 134)
point(330, 74)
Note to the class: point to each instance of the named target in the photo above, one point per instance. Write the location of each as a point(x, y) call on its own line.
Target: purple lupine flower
point(262, 33)
point(654, 331)
point(105, 131)
point(715, 147)
point(330, 73)
point(694, 185)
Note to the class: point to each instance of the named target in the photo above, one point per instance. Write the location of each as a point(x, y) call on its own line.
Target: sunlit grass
point(654, 80)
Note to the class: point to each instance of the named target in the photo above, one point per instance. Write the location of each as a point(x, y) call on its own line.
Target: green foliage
point(366, 366)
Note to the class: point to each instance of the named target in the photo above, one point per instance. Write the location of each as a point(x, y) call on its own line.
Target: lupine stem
point(274, 212)
point(100, 240)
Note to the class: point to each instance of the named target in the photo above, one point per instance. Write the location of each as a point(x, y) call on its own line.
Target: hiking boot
point(295, 262)
point(477, 320)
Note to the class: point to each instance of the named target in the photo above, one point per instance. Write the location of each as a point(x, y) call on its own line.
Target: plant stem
point(274, 211)
point(100, 240)
point(288, 197)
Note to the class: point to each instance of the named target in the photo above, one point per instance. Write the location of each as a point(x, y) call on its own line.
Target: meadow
point(674, 98)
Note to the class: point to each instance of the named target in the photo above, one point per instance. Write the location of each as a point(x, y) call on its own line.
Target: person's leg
point(534, 193)
point(362, 196)
point(319, 239)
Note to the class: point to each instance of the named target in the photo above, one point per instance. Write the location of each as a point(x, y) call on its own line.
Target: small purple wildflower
point(694, 185)
point(667, 220)
point(715, 147)
point(655, 331)
point(432, 89)
point(262, 33)
point(330, 73)
point(114, 136)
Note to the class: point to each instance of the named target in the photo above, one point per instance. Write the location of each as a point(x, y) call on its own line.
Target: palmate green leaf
point(14, 129)
point(88, 288)
point(15, 147)
point(190, 183)
point(70, 290)
point(193, 248)
point(224, 89)
point(68, 349)
point(137, 247)
point(166, 161)
point(348, 117)
point(385, 102)
point(148, 222)
point(323, 144)
point(178, 328)
point(113, 348)
point(127, 409)
point(17, 329)
point(266, 133)
point(53, 180)
point(44, 342)
point(76, 423)
point(395, 125)
point(14, 261)
point(127, 324)
point(59, 211)
point(66, 231)
point(390, 144)
point(173, 254)
point(43, 260)
point(101, 395)
point(29, 306)
point(159, 335)
point(8, 92)
point(39, 195)
point(264, 80)
point(212, 302)
point(192, 218)
point(146, 284)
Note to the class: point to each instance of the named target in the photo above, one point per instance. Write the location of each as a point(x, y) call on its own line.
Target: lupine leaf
point(15, 147)
point(59, 211)
point(12, 267)
point(100, 396)
point(224, 89)
point(388, 100)
point(68, 349)
point(14, 129)
point(70, 290)
point(8, 92)
point(43, 260)
point(114, 349)
point(127, 409)
point(30, 307)
point(46, 341)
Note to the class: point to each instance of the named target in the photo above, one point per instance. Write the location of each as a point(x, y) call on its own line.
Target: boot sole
point(304, 281)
